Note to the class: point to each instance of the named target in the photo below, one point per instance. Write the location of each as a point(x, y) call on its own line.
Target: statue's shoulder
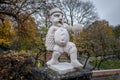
point(52, 26)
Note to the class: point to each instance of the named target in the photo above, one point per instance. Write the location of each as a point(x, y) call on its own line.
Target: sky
point(108, 10)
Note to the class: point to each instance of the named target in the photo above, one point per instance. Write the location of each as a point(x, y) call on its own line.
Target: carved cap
point(55, 10)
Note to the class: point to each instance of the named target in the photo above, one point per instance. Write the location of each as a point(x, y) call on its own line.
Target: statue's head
point(56, 16)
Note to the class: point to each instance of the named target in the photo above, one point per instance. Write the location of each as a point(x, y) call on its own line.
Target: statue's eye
point(56, 15)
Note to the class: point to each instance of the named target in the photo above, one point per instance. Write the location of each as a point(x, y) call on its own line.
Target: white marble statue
point(57, 39)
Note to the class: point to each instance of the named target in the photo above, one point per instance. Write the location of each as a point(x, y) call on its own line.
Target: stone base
point(62, 68)
point(44, 73)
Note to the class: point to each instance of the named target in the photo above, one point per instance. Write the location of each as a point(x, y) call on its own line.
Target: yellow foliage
point(5, 42)
point(5, 31)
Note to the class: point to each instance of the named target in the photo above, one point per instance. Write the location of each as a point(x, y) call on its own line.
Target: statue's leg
point(73, 57)
point(54, 59)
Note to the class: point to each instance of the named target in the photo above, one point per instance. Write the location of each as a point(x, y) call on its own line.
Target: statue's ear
point(50, 18)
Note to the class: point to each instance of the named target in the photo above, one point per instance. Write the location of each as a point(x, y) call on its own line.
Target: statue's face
point(57, 19)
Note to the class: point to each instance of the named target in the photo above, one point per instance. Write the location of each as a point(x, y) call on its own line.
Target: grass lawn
point(109, 64)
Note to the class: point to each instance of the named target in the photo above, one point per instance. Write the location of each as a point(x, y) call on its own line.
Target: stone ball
point(77, 27)
point(61, 36)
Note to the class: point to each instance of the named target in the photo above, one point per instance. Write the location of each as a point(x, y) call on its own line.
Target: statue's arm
point(75, 29)
point(49, 43)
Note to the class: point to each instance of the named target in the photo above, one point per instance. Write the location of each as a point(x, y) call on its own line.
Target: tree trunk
point(96, 63)
point(46, 22)
point(88, 56)
point(99, 65)
point(71, 16)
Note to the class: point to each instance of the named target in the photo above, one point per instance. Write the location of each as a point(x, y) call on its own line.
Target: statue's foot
point(76, 64)
point(52, 62)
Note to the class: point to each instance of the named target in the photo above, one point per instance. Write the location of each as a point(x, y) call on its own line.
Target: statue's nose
point(60, 19)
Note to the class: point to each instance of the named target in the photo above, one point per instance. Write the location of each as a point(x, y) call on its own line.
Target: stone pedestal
point(62, 68)
point(45, 73)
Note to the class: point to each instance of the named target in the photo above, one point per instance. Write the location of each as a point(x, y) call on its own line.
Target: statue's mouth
point(60, 22)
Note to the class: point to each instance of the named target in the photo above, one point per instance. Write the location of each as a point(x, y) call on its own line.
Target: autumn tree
point(103, 37)
point(116, 31)
point(6, 31)
point(116, 47)
point(27, 34)
point(20, 12)
point(96, 39)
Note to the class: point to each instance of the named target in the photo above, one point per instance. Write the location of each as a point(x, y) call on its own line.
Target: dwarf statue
point(57, 39)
